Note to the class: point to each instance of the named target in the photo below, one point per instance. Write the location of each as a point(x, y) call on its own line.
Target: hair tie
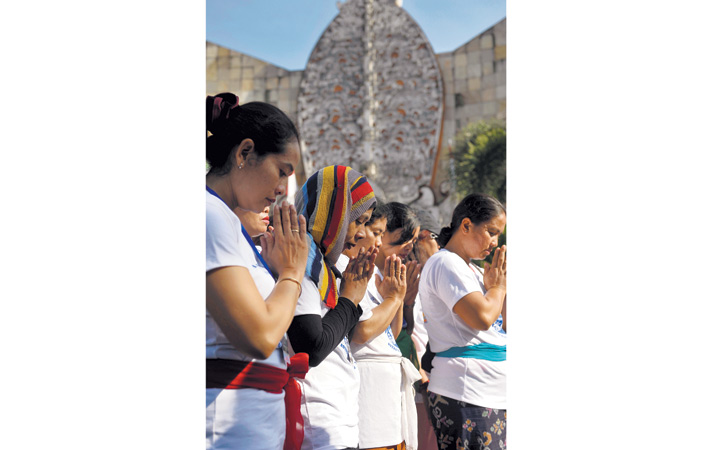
point(221, 107)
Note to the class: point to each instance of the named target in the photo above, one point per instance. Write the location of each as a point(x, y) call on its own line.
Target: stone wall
point(474, 77)
point(252, 79)
point(473, 80)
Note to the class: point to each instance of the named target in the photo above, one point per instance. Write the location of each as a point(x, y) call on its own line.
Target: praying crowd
point(343, 321)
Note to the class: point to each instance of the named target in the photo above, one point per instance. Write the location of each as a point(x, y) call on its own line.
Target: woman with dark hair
point(252, 150)
point(425, 246)
point(387, 412)
point(465, 317)
point(337, 202)
point(374, 231)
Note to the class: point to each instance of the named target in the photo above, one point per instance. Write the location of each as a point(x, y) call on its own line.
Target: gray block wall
point(473, 76)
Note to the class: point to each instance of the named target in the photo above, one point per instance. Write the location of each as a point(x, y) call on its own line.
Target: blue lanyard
point(245, 234)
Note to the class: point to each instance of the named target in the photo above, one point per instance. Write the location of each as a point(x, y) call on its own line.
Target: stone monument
point(372, 97)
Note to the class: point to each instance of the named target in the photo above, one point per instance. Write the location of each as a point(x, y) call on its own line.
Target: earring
point(240, 166)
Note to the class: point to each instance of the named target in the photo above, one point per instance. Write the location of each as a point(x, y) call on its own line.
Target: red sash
point(231, 374)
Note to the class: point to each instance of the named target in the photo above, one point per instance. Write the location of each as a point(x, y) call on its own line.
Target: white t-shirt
point(380, 395)
point(232, 414)
point(419, 332)
point(446, 279)
point(329, 401)
point(383, 344)
point(419, 336)
point(342, 262)
point(227, 246)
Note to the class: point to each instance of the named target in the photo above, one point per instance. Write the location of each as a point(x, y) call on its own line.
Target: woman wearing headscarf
point(337, 201)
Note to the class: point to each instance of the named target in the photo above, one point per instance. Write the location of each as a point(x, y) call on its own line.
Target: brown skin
point(254, 326)
point(255, 224)
point(356, 275)
point(402, 251)
point(390, 248)
point(359, 270)
point(425, 246)
point(356, 231)
point(260, 180)
point(373, 237)
point(392, 289)
point(476, 241)
point(389, 312)
point(503, 315)
point(414, 269)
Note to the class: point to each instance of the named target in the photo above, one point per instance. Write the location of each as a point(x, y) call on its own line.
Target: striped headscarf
point(330, 200)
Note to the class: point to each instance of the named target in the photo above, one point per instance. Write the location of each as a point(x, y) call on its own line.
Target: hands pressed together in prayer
point(285, 246)
point(357, 274)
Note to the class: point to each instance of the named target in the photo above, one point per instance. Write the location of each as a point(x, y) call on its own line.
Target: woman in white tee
point(465, 317)
point(387, 413)
point(252, 150)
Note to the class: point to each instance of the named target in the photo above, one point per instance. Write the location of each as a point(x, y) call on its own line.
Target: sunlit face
point(373, 236)
point(255, 224)
point(262, 180)
point(356, 231)
point(390, 245)
point(483, 238)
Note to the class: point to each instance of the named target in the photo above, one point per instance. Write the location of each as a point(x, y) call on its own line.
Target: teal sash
point(489, 352)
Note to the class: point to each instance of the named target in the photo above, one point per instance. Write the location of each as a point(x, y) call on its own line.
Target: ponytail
point(478, 208)
point(229, 124)
point(445, 234)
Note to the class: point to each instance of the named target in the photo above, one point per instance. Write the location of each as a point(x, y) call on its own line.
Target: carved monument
point(371, 97)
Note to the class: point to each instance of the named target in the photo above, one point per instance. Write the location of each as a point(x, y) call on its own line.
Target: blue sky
point(284, 32)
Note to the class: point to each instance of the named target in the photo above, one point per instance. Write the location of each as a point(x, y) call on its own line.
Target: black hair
point(269, 128)
point(478, 208)
point(398, 216)
point(378, 212)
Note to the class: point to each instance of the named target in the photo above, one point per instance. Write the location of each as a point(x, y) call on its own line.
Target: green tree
point(480, 163)
point(480, 159)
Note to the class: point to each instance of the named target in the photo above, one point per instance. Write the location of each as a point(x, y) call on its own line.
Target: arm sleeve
point(451, 280)
point(318, 337)
point(426, 360)
point(225, 244)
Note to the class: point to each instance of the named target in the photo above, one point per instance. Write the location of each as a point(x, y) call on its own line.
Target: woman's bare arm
point(252, 325)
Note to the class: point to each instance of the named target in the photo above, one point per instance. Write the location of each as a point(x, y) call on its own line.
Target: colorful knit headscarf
point(330, 200)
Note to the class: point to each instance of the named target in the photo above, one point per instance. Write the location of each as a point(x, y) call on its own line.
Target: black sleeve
point(318, 337)
point(427, 358)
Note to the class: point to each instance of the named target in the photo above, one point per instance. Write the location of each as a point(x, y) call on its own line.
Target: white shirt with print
point(446, 279)
point(380, 380)
point(235, 417)
point(329, 402)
